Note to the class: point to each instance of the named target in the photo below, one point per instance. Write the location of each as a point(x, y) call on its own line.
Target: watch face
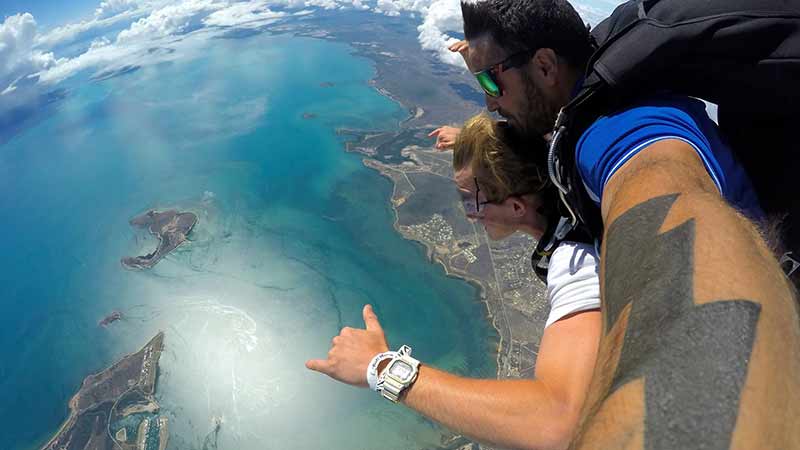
point(401, 370)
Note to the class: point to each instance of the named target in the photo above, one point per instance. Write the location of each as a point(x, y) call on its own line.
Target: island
point(109, 319)
point(170, 227)
point(309, 115)
point(116, 408)
point(326, 84)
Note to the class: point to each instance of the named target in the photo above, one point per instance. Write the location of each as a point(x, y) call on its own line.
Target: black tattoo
point(693, 357)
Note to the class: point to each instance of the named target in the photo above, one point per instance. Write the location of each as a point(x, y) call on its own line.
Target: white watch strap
point(372, 368)
point(389, 386)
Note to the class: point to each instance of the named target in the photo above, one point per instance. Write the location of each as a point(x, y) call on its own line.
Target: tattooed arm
point(701, 345)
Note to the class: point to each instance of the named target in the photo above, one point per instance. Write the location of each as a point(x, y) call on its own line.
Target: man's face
point(494, 217)
point(523, 103)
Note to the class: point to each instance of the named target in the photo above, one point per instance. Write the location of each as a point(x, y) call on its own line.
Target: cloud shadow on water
point(108, 74)
point(240, 33)
point(16, 118)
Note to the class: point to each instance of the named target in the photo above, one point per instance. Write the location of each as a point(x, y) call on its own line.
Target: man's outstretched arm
point(701, 344)
point(525, 414)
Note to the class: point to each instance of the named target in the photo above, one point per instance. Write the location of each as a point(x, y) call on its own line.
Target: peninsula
point(116, 408)
point(170, 227)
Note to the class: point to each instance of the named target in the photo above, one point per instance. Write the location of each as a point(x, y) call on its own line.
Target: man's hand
point(445, 137)
point(352, 351)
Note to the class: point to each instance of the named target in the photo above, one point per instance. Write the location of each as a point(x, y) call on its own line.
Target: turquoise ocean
point(294, 236)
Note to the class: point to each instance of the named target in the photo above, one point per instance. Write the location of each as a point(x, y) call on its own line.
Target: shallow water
point(294, 237)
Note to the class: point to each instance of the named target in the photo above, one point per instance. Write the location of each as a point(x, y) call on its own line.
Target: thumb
point(318, 365)
point(371, 320)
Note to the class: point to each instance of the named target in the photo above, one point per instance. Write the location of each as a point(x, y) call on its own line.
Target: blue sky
point(49, 13)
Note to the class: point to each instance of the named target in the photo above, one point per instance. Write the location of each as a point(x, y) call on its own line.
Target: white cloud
point(110, 8)
point(443, 16)
point(101, 53)
point(100, 42)
point(251, 13)
point(20, 93)
point(395, 7)
point(169, 20)
point(441, 20)
point(134, 45)
point(103, 19)
point(160, 21)
point(18, 58)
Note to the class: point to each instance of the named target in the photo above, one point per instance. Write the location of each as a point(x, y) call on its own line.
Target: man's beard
point(539, 117)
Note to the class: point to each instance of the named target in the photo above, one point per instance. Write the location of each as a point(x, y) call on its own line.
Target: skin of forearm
point(516, 414)
point(702, 343)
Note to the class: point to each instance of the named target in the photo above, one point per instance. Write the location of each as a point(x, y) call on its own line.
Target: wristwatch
point(401, 373)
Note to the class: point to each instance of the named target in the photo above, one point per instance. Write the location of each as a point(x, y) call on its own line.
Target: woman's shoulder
point(573, 283)
point(571, 261)
point(571, 253)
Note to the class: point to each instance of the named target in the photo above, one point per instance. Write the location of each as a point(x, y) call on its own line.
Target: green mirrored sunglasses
point(487, 77)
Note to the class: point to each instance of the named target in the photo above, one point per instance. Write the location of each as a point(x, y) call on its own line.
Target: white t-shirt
point(573, 281)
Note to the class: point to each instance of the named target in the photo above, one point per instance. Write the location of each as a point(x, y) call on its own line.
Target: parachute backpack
point(743, 55)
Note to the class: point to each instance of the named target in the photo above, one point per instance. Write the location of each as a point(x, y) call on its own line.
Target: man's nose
point(491, 103)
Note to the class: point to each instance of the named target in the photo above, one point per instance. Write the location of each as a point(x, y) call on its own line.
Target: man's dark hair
point(518, 25)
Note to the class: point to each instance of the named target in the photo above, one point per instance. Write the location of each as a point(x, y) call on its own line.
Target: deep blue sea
point(294, 236)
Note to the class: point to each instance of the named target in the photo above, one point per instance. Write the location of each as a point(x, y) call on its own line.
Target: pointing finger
point(434, 132)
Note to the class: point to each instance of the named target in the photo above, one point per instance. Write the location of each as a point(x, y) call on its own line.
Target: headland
point(116, 408)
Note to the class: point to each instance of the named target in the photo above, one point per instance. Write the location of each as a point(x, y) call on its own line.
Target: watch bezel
point(399, 361)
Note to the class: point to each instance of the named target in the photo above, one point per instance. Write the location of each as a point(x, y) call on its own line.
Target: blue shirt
point(614, 139)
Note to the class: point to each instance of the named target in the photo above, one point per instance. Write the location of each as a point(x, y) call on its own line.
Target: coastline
point(482, 290)
point(513, 297)
point(430, 254)
point(150, 354)
point(413, 118)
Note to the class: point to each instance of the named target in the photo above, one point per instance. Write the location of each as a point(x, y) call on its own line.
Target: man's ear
point(545, 66)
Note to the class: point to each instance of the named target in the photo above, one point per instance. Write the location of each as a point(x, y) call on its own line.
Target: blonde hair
point(503, 165)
